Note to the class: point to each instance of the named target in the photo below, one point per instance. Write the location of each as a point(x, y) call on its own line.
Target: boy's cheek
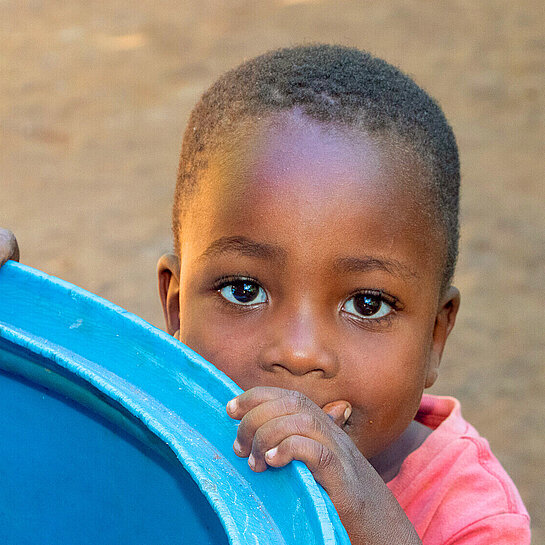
point(215, 348)
point(374, 426)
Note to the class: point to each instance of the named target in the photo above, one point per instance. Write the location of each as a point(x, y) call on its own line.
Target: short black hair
point(336, 85)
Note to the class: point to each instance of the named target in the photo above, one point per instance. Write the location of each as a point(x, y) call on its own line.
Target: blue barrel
point(113, 432)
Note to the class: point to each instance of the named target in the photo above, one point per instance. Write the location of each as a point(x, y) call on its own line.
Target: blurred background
point(94, 97)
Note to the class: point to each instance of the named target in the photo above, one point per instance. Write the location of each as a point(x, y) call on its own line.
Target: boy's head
point(315, 225)
point(338, 86)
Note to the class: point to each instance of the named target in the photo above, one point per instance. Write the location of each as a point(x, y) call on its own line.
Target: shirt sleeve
point(503, 529)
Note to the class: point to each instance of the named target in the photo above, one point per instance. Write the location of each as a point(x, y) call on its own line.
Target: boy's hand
point(278, 426)
point(8, 246)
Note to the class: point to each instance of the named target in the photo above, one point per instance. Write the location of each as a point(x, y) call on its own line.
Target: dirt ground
point(93, 101)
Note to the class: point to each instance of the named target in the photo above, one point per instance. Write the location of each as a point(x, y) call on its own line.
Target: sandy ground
point(93, 101)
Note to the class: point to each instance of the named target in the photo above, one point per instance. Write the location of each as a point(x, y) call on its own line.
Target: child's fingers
point(320, 459)
point(275, 431)
point(250, 399)
point(339, 411)
point(300, 412)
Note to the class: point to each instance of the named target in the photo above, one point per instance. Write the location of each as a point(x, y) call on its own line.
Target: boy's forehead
point(299, 183)
point(290, 153)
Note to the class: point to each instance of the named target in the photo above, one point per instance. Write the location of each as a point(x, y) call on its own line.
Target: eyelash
point(225, 281)
point(390, 300)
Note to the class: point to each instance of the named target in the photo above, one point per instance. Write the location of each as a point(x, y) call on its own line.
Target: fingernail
point(232, 406)
point(236, 446)
point(347, 413)
point(270, 454)
point(251, 461)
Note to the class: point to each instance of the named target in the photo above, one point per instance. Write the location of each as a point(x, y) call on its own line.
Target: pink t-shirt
point(453, 489)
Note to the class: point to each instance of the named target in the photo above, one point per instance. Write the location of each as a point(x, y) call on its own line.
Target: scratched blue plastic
point(111, 431)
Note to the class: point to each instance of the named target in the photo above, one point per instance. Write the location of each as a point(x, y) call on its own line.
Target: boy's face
point(308, 264)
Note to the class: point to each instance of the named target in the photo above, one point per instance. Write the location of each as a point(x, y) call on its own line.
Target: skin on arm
point(8, 246)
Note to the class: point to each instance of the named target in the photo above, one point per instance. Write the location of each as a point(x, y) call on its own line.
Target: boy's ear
point(168, 274)
point(444, 322)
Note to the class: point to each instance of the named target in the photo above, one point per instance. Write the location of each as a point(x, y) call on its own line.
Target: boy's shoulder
point(453, 487)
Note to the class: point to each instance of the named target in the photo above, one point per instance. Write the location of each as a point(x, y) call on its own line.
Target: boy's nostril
point(296, 370)
point(286, 355)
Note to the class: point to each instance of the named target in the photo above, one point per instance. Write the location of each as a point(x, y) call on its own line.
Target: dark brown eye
point(367, 305)
point(243, 292)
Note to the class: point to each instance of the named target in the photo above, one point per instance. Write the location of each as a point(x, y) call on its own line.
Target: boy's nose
point(300, 346)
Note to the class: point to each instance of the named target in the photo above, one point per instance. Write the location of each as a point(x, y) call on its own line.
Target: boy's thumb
point(339, 411)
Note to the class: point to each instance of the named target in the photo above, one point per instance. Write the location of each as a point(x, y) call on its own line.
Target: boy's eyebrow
point(251, 248)
point(246, 247)
point(365, 264)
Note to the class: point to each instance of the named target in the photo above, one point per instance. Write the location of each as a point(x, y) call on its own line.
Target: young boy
point(316, 228)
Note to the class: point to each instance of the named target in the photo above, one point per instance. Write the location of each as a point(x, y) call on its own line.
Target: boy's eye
point(243, 292)
point(368, 305)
